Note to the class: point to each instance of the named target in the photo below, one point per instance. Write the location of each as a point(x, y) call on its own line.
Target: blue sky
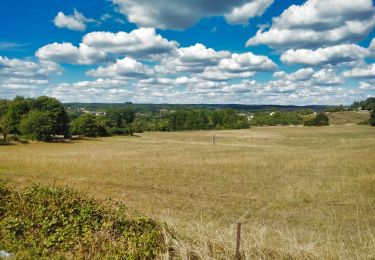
point(207, 51)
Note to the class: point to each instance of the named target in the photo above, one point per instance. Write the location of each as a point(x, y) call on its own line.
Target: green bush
point(58, 223)
point(372, 118)
point(320, 119)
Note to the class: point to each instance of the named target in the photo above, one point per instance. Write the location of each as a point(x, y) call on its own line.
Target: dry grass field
point(347, 117)
point(301, 193)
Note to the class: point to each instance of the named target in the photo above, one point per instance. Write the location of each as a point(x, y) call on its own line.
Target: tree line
point(45, 118)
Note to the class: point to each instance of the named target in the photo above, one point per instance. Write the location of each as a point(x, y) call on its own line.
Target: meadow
point(299, 192)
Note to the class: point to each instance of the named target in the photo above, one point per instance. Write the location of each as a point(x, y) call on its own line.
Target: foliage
point(372, 118)
point(277, 118)
point(56, 222)
point(307, 111)
point(320, 119)
point(35, 118)
point(368, 104)
point(87, 125)
point(205, 119)
point(37, 126)
point(339, 108)
point(17, 108)
point(56, 112)
point(120, 117)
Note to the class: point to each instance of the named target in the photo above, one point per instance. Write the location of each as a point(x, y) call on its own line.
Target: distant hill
point(157, 107)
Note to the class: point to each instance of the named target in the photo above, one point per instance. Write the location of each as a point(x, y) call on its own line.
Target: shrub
point(320, 119)
point(58, 223)
point(372, 118)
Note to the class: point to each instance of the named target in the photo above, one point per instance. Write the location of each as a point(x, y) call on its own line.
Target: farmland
point(299, 192)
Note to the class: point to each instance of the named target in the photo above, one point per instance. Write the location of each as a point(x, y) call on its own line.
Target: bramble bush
point(58, 223)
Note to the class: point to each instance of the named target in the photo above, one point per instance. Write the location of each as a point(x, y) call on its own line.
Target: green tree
point(56, 112)
point(120, 117)
point(372, 118)
point(320, 119)
point(37, 125)
point(3, 121)
point(87, 125)
point(17, 108)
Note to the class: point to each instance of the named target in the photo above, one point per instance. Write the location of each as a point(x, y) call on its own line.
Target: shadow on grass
point(6, 143)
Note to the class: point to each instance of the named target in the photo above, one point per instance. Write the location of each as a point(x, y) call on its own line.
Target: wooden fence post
point(238, 255)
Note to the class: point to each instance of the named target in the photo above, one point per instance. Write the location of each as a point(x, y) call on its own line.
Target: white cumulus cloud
point(318, 23)
point(124, 68)
point(76, 22)
point(328, 55)
point(180, 14)
point(98, 47)
point(366, 71)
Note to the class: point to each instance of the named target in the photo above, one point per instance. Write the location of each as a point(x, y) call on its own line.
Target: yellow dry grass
point(301, 193)
point(348, 117)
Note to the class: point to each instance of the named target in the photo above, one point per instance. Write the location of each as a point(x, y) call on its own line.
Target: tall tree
point(120, 117)
point(372, 118)
point(87, 125)
point(37, 125)
point(3, 122)
point(17, 108)
point(56, 112)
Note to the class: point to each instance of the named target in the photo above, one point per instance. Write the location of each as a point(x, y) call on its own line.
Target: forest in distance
point(44, 117)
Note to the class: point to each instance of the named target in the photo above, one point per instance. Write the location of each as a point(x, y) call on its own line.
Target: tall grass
point(301, 193)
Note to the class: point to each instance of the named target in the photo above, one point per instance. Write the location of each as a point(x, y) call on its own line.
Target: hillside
point(347, 117)
point(299, 192)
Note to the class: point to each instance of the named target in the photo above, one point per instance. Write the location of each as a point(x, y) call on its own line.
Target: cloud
point(191, 59)
point(24, 69)
point(24, 77)
point(367, 85)
point(11, 46)
point(323, 77)
point(99, 47)
point(247, 62)
point(241, 14)
point(365, 71)
point(318, 23)
point(139, 43)
point(329, 55)
point(328, 77)
point(238, 66)
point(124, 68)
point(180, 14)
point(214, 65)
point(75, 22)
point(68, 53)
point(372, 45)
point(105, 90)
point(299, 75)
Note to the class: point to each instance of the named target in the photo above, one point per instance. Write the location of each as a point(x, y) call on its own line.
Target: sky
point(189, 51)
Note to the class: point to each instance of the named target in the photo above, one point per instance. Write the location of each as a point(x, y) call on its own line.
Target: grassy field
point(348, 117)
point(301, 193)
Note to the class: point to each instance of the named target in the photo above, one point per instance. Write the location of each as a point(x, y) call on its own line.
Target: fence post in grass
point(213, 137)
point(238, 255)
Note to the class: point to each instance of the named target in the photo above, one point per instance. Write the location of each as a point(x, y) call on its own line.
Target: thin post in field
point(238, 255)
